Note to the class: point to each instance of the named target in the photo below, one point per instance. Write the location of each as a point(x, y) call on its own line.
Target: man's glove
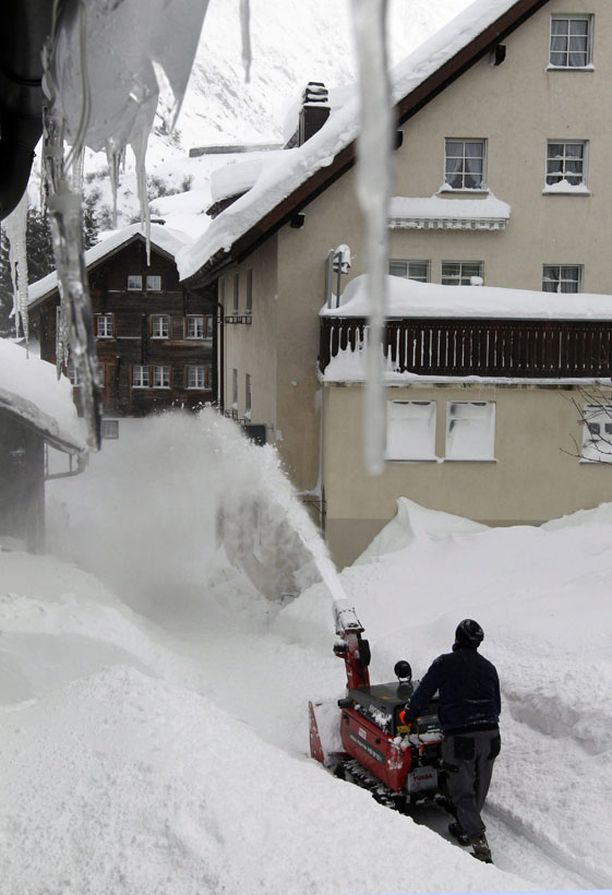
point(407, 722)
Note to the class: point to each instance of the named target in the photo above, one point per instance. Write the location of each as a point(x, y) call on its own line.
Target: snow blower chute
point(399, 764)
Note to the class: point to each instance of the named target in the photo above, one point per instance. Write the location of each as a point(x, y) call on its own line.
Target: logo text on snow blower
point(374, 753)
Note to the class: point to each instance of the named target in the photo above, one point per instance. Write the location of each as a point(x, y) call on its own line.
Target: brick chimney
point(314, 112)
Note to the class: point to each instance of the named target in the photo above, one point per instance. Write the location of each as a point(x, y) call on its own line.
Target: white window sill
point(477, 191)
point(413, 459)
point(198, 388)
point(194, 338)
point(568, 191)
point(470, 460)
point(104, 337)
point(589, 67)
point(141, 387)
point(160, 338)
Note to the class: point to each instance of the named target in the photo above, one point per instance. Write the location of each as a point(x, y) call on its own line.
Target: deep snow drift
point(166, 751)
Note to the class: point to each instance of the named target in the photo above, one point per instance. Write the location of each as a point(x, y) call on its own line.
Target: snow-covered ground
point(153, 732)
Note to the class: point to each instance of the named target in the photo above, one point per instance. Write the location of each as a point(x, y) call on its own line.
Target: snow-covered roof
point(162, 238)
point(294, 167)
point(30, 389)
point(436, 213)
point(408, 298)
point(241, 175)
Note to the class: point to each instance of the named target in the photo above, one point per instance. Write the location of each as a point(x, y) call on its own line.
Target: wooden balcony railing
point(538, 349)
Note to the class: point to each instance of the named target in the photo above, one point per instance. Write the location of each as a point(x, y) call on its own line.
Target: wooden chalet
point(155, 339)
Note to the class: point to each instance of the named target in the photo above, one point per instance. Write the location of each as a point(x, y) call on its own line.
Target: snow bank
point(134, 757)
point(542, 596)
point(412, 522)
point(121, 783)
point(29, 387)
point(409, 298)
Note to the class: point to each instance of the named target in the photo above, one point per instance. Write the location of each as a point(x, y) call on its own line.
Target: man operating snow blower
point(469, 708)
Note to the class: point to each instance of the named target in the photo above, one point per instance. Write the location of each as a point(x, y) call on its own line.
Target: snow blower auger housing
point(399, 764)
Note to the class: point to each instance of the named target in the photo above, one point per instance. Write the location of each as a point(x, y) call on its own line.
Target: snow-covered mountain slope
point(292, 42)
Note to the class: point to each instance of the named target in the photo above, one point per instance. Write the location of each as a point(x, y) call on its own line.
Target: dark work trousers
point(468, 759)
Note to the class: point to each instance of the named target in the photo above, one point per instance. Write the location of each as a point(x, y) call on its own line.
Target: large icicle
point(15, 227)
point(374, 191)
point(103, 65)
point(245, 27)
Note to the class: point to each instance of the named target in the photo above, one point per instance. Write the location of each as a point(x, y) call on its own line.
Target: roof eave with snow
point(163, 240)
point(428, 71)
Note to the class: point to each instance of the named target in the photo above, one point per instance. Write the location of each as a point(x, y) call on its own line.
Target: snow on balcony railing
point(435, 213)
point(438, 330)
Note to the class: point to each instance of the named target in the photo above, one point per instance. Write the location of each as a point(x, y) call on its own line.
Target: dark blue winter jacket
point(469, 692)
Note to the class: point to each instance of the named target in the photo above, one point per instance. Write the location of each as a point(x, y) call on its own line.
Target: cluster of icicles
point(105, 63)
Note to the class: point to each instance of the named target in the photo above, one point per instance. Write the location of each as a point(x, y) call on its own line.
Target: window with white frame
point(470, 430)
point(571, 41)
point(464, 167)
point(411, 270)
point(160, 326)
point(140, 376)
point(198, 376)
point(460, 273)
point(109, 428)
point(195, 326)
point(247, 396)
point(248, 307)
point(209, 326)
point(561, 278)
point(154, 283)
point(104, 326)
point(134, 282)
point(236, 293)
point(566, 162)
point(161, 377)
point(235, 390)
point(411, 430)
point(597, 433)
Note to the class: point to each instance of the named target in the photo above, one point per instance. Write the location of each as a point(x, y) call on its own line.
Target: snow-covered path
point(179, 733)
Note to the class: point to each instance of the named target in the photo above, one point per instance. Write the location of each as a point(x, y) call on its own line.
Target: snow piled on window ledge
point(564, 187)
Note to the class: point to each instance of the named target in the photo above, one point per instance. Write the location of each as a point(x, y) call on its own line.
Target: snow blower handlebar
point(351, 646)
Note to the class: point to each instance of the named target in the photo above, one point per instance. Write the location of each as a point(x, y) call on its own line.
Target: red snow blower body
point(399, 764)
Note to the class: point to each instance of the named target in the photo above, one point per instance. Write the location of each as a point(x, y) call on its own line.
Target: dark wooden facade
point(532, 349)
point(150, 358)
point(22, 482)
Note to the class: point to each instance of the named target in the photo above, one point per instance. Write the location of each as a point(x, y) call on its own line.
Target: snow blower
point(400, 764)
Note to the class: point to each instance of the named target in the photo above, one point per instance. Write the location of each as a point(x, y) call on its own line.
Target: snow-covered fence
point(481, 347)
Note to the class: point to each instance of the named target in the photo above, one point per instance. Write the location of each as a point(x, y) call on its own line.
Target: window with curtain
point(565, 161)
point(104, 326)
point(460, 273)
point(140, 376)
point(410, 270)
point(464, 167)
point(561, 278)
point(571, 41)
